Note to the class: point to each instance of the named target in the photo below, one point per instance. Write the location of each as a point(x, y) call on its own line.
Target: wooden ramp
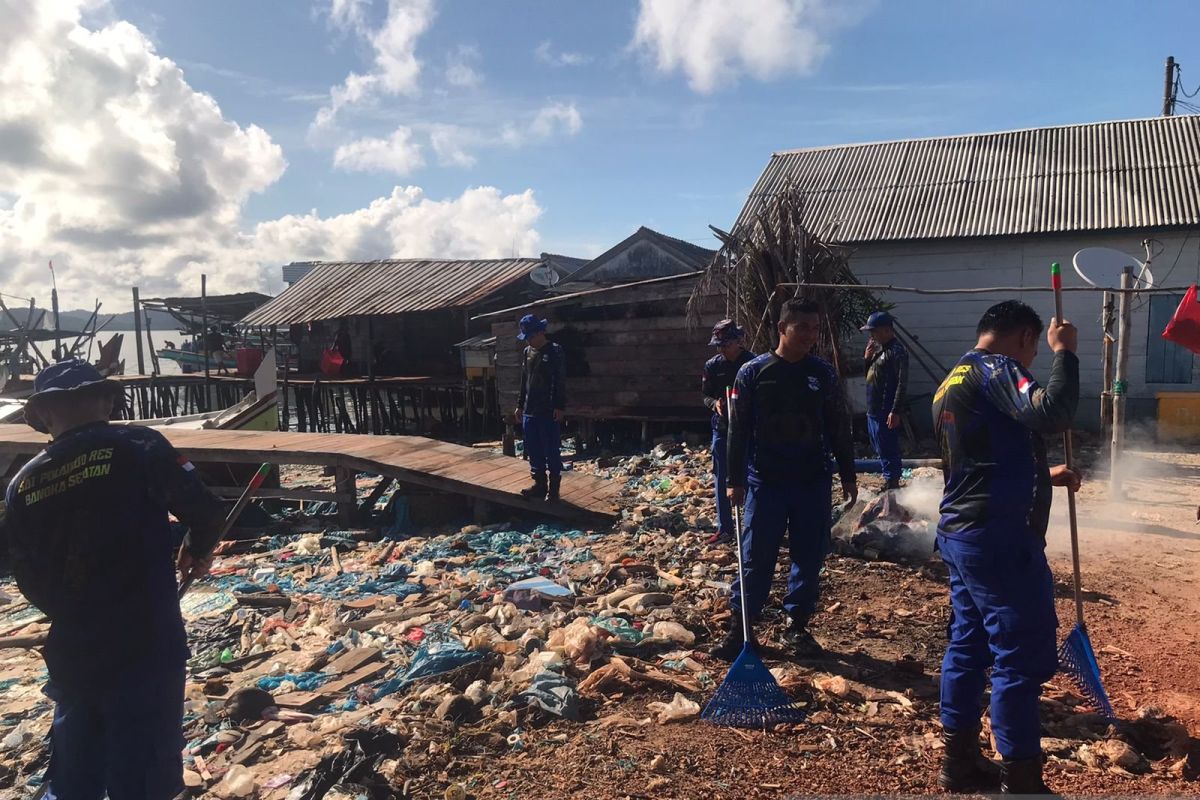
point(413, 460)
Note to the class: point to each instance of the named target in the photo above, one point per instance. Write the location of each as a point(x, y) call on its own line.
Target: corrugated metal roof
point(296, 270)
point(1132, 174)
point(354, 289)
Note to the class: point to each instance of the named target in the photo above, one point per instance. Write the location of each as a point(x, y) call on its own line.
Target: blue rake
point(1076, 658)
point(749, 697)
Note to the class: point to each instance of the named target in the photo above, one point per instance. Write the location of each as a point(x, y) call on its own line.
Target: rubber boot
point(731, 646)
point(1023, 776)
point(801, 641)
point(552, 488)
point(538, 490)
point(964, 766)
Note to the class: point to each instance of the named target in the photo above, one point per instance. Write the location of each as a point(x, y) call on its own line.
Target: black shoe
point(537, 491)
point(552, 488)
point(730, 647)
point(965, 769)
point(1023, 777)
point(894, 483)
point(803, 644)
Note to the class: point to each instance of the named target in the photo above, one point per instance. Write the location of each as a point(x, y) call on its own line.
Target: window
point(1166, 362)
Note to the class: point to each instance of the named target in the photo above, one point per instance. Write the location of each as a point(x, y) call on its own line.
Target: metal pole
point(1107, 319)
point(1169, 88)
point(57, 324)
point(137, 331)
point(204, 334)
point(1118, 389)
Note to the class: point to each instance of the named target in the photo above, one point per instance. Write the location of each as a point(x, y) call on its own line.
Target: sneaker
point(719, 538)
point(798, 637)
point(730, 647)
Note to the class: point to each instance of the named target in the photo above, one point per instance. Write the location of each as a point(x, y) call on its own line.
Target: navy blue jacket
point(719, 375)
point(989, 416)
point(887, 379)
point(92, 548)
point(543, 380)
point(787, 420)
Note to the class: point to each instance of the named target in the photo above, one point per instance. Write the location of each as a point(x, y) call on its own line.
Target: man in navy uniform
point(719, 374)
point(990, 415)
point(92, 547)
point(540, 407)
point(887, 387)
point(787, 420)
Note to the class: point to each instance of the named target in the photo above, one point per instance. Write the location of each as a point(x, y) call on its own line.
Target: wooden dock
point(479, 475)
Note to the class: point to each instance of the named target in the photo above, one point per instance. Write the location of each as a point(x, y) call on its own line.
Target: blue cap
point(880, 319)
point(530, 325)
point(725, 331)
point(67, 376)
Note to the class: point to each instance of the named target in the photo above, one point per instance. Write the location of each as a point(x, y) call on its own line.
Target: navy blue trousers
point(887, 446)
point(801, 512)
point(720, 456)
point(125, 740)
point(1002, 617)
point(542, 444)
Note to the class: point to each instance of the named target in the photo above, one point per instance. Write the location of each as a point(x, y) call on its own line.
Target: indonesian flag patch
point(188, 466)
point(1024, 384)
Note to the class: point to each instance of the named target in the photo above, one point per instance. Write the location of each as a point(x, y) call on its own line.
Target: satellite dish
point(544, 276)
point(1102, 268)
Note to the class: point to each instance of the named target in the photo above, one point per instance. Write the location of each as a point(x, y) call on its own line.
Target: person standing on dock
point(989, 416)
point(887, 388)
point(787, 420)
point(540, 407)
point(92, 547)
point(720, 371)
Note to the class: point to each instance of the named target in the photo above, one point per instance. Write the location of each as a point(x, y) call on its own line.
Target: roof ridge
point(979, 134)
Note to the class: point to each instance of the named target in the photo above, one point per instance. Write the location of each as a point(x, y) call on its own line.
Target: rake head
point(1077, 661)
point(750, 697)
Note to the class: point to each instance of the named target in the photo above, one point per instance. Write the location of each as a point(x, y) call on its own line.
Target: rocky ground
point(330, 665)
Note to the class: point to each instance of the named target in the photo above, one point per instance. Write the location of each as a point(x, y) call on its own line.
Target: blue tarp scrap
point(304, 681)
point(553, 693)
point(438, 657)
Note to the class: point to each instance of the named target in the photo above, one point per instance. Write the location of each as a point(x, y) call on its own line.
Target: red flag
point(51, 267)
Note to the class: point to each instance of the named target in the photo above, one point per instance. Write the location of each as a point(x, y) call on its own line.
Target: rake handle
point(231, 518)
point(737, 530)
point(1069, 458)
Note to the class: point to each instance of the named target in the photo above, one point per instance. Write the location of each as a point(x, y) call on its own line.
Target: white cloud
point(544, 52)
point(461, 67)
point(451, 143)
point(395, 68)
point(480, 223)
point(398, 153)
point(548, 121)
point(716, 42)
point(116, 169)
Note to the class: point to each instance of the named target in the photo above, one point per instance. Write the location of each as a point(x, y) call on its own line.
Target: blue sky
point(631, 137)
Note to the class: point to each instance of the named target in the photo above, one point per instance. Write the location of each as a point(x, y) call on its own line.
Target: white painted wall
point(946, 324)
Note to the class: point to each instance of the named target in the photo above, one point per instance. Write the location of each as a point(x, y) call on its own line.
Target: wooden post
point(1107, 318)
point(1119, 383)
point(204, 334)
point(137, 331)
point(345, 483)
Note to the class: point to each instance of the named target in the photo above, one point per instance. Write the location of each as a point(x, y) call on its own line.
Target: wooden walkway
point(414, 460)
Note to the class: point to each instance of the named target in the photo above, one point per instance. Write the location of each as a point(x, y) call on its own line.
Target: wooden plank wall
point(630, 353)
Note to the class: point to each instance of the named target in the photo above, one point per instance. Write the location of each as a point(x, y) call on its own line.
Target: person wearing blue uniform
point(92, 547)
point(720, 371)
point(541, 405)
point(787, 420)
point(887, 388)
point(989, 416)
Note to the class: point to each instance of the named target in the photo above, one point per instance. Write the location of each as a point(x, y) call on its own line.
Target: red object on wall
point(332, 363)
point(248, 360)
point(1184, 327)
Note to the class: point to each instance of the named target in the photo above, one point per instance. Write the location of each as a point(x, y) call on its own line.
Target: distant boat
point(191, 362)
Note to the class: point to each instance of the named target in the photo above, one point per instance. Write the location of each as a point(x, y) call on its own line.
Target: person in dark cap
point(720, 371)
point(92, 548)
point(541, 405)
point(887, 388)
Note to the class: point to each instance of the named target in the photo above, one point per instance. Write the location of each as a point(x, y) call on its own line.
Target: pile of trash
point(898, 525)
